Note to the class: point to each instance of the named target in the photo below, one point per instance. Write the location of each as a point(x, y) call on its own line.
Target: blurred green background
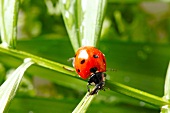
point(135, 40)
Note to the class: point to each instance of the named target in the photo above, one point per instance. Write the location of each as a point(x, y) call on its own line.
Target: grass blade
point(135, 93)
point(138, 94)
point(83, 22)
point(8, 22)
point(90, 14)
point(68, 10)
point(38, 60)
point(10, 86)
point(166, 108)
point(83, 105)
point(167, 85)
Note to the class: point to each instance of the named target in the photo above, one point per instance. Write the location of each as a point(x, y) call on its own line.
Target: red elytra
point(89, 60)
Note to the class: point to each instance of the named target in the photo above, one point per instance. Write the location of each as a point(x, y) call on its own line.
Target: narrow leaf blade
point(68, 10)
point(167, 85)
point(8, 21)
point(90, 16)
point(84, 103)
point(10, 86)
point(166, 108)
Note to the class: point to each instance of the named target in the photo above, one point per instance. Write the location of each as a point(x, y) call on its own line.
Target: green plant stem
point(132, 92)
point(68, 9)
point(167, 85)
point(84, 104)
point(138, 94)
point(8, 21)
point(9, 87)
point(38, 60)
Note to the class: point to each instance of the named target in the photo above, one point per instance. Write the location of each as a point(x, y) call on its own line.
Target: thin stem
point(84, 104)
point(167, 85)
point(138, 94)
point(2, 23)
point(38, 60)
point(8, 22)
point(135, 93)
point(9, 87)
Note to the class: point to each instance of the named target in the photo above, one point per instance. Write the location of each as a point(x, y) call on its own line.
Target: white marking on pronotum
point(83, 54)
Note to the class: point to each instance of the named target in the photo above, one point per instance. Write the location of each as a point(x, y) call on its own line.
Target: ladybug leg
point(68, 69)
point(101, 86)
point(98, 87)
point(91, 82)
point(95, 91)
point(71, 59)
point(88, 88)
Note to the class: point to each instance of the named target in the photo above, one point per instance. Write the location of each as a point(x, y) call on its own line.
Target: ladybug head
point(97, 79)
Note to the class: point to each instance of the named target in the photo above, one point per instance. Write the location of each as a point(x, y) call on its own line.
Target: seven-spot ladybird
point(91, 62)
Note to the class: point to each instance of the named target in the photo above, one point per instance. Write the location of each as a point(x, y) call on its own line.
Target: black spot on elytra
point(82, 62)
point(93, 70)
point(78, 70)
point(95, 56)
point(75, 55)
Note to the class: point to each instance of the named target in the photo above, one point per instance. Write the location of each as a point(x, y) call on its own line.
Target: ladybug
point(89, 62)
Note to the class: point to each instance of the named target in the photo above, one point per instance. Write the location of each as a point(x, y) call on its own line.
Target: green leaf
point(83, 20)
point(141, 73)
point(2, 73)
point(38, 60)
point(10, 86)
point(8, 22)
point(54, 105)
point(166, 108)
point(68, 9)
point(138, 94)
point(84, 104)
point(167, 85)
point(90, 14)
